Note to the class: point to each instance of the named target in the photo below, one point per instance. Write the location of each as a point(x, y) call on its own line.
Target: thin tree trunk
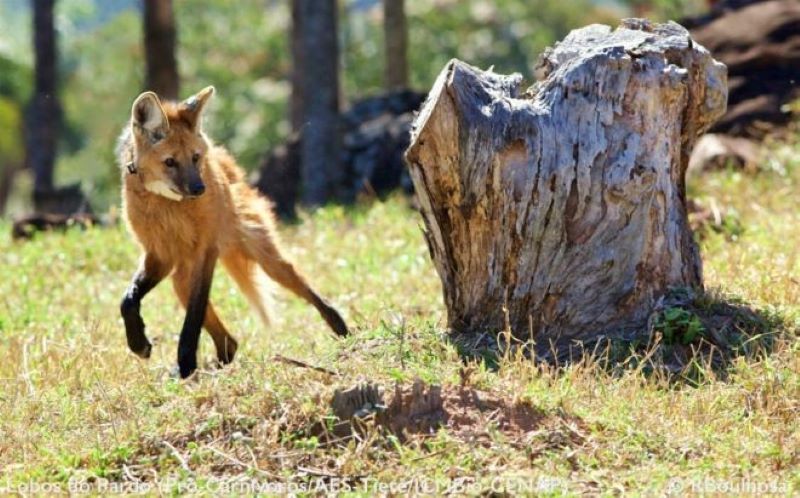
point(159, 46)
point(44, 111)
point(560, 213)
point(396, 44)
point(296, 43)
point(320, 85)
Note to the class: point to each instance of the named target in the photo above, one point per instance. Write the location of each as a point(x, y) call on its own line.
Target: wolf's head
point(169, 148)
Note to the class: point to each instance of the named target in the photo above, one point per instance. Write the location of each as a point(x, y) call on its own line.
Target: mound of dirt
point(423, 409)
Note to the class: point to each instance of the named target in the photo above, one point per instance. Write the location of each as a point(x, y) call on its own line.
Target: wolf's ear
point(148, 118)
point(192, 108)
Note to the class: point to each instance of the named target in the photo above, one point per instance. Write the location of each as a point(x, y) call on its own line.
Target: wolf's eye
point(171, 163)
point(195, 157)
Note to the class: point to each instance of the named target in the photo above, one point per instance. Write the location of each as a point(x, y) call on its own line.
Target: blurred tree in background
point(244, 48)
point(395, 29)
point(296, 45)
point(161, 75)
point(43, 115)
point(319, 87)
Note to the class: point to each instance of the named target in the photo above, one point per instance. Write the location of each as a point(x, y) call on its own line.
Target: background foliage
point(244, 52)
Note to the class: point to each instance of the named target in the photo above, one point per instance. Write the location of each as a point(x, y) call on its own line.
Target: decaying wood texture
point(560, 213)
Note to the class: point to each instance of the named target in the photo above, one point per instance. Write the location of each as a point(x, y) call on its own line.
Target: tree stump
point(560, 214)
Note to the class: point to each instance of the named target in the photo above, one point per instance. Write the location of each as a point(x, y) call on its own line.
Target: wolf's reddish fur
point(188, 204)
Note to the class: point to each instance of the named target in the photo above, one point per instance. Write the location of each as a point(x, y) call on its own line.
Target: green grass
point(76, 407)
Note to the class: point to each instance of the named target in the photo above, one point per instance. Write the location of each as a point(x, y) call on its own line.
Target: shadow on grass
point(689, 336)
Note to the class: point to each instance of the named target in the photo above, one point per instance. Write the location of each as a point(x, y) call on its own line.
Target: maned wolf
point(187, 204)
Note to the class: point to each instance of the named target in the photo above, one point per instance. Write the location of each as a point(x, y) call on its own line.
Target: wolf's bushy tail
point(253, 283)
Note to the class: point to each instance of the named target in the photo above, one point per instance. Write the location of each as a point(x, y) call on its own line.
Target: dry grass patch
point(76, 406)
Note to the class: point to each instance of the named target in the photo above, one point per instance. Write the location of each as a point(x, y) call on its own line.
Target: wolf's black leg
point(195, 314)
point(150, 273)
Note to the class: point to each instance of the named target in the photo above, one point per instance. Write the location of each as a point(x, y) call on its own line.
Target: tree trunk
point(320, 86)
point(159, 46)
point(296, 45)
point(560, 213)
point(44, 111)
point(396, 44)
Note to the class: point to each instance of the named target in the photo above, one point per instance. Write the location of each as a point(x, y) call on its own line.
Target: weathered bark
point(560, 213)
point(395, 31)
point(320, 87)
point(44, 111)
point(161, 74)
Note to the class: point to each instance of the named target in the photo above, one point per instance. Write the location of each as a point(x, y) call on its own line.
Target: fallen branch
point(302, 364)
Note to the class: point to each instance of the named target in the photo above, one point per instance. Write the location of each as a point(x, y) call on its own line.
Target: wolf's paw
point(185, 368)
point(175, 373)
point(142, 350)
point(226, 353)
point(335, 321)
